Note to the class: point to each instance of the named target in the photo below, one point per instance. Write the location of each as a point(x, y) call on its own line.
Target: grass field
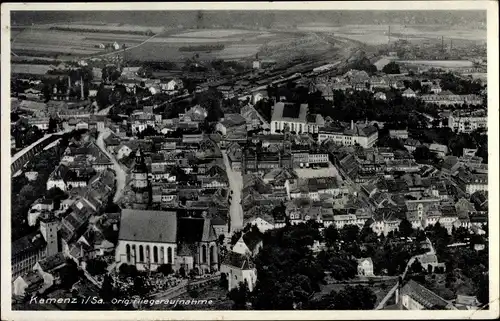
point(439, 63)
point(378, 34)
point(29, 69)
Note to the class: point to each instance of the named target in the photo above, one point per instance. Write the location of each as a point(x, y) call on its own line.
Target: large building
point(364, 135)
point(467, 122)
point(295, 118)
point(148, 239)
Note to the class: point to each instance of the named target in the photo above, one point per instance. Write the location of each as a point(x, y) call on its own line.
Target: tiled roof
point(238, 260)
point(148, 226)
point(52, 262)
point(429, 299)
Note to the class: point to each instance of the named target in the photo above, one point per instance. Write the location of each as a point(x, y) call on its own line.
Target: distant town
point(351, 179)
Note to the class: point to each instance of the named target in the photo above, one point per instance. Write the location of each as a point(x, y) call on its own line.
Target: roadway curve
point(121, 175)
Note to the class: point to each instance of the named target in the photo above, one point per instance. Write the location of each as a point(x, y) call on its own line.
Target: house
point(65, 179)
point(399, 85)
point(26, 252)
point(230, 122)
point(414, 296)
point(221, 227)
point(472, 182)
point(466, 302)
point(466, 122)
point(365, 267)
point(364, 135)
point(239, 268)
point(28, 284)
point(398, 133)
point(439, 149)
point(380, 96)
point(148, 239)
point(435, 89)
point(31, 175)
point(49, 268)
point(409, 93)
point(411, 144)
point(430, 263)
point(262, 224)
point(171, 85)
point(249, 243)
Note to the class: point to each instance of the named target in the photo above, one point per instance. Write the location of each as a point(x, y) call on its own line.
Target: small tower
point(48, 228)
point(140, 171)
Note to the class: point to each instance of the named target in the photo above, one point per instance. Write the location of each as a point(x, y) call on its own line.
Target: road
point(236, 185)
point(121, 175)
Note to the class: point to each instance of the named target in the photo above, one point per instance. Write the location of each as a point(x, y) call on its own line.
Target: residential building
point(239, 268)
point(466, 122)
point(358, 134)
point(414, 296)
point(365, 267)
point(398, 133)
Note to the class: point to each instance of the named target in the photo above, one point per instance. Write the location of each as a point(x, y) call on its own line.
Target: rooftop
point(148, 226)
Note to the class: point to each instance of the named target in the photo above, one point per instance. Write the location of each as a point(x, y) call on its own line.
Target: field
point(439, 63)
point(379, 34)
point(78, 41)
point(29, 69)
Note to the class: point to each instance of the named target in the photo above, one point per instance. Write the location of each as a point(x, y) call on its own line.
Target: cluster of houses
point(355, 80)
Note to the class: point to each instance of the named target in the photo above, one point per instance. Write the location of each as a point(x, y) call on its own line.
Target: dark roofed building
point(417, 297)
point(148, 239)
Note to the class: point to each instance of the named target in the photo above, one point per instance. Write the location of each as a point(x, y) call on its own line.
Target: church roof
point(191, 230)
point(148, 226)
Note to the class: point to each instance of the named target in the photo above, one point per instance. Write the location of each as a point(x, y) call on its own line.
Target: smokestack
point(69, 88)
point(81, 88)
point(352, 124)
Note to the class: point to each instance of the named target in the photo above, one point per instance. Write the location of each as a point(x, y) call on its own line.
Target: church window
point(128, 253)
point(204, 254)
point(141, 253)
point(169, 255)
point(155, 254)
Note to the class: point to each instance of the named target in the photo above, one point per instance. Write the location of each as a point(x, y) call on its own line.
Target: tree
point(107, 291)
point(221, 239)
point(349, 233)
point(139, 287)
point(96, 267)
point(331, 235)
point(240, 296)
point(354, 298)
point(69, 274)
point(416, 267)
point(166, 269)
point(405, 228)
point(391, 68)
point(422, 153)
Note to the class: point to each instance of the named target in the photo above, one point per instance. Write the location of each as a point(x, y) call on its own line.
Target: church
point(148, 239)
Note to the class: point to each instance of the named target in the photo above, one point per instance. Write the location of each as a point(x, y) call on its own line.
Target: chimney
point(352, 124)
point(81, 88)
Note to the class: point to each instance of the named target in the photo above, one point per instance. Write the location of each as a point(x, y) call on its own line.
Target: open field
point(379, 34)
point(29, 69)
point(214, 33)
point(111, 27)
point(439, 63)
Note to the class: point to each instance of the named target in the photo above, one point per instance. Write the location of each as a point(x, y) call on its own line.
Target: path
point(236, 185)
point(121, 175)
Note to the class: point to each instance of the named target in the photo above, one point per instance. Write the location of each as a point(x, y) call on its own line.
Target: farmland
point(66, 42)
point(379, 34)
point(439, 63)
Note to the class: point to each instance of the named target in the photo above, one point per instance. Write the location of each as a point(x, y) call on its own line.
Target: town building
point(466, 122)
point(239, 268)
point(148, 239)
point(358, 134)
point(294, 118)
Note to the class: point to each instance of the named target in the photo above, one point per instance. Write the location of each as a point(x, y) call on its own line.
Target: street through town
point(121, 175)
point(236, 185)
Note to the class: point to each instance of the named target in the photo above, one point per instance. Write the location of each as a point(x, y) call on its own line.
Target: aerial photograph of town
point(249, 160)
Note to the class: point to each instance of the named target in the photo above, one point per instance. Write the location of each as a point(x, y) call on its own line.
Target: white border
point(490, 6)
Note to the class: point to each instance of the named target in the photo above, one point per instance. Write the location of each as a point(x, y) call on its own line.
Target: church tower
point(48, 229)
point(140, 182)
